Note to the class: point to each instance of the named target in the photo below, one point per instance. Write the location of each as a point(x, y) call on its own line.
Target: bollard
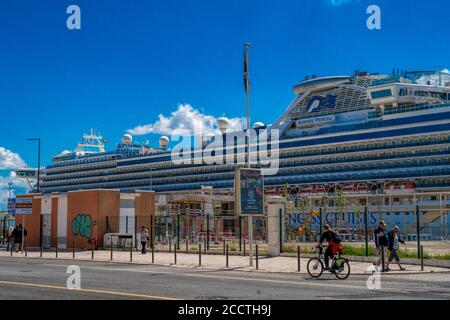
point(56, 251)
point(131, 251)
point(421, 258)
point(256, 255)
point(187, 245)
point(298, 258)
point(207, 232)
point(178, 231)
point(111, 250)
point(382, 259)
point(240, 234)
point(92, 255)
point(73, 249)
point(199, 254)
point(226, 254)
point(175, 253)
point(204, 247)
point(153, 252)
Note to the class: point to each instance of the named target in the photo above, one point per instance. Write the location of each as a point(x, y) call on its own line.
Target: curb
point(370, 259)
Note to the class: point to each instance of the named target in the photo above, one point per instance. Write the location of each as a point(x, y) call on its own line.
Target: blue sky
point(134, 60)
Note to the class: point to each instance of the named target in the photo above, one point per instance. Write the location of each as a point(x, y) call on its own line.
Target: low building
point(82, 218)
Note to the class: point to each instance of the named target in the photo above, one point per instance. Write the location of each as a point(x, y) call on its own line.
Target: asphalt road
point(46, 279)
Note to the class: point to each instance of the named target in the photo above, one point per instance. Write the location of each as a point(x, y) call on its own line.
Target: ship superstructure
point(361, 133)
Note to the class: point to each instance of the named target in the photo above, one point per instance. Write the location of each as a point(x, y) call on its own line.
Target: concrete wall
point(145, 203)
point(61, 229)
point(54, 221)
point(81, 216)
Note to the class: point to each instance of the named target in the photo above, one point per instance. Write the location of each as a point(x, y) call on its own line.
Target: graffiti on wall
point(82, 225)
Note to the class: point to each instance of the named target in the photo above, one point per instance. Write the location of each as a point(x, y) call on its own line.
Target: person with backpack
point(381, 242)
point(394, 246)
point(334, 245)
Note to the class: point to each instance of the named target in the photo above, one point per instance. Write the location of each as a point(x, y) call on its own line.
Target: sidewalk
point(213, 262)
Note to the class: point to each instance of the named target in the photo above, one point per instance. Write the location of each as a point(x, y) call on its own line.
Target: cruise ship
point(363, 133)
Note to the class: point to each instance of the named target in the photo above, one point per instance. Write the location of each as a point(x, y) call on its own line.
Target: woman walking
point(144, 239)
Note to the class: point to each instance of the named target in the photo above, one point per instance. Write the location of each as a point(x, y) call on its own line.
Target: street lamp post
point(39, 162)
point(37, 186)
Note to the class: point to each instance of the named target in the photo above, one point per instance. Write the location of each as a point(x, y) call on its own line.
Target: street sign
point(249, 191)
point(20, 206)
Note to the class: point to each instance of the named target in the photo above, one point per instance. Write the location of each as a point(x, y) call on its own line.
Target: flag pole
point(247, 97)
point(247, 90)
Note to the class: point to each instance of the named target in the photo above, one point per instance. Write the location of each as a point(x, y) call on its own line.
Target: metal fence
point(355, 228)
point(422, 225)
point(210, 231)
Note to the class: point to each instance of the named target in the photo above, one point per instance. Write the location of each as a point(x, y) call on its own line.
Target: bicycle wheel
point(315, 267)
point(343, 269)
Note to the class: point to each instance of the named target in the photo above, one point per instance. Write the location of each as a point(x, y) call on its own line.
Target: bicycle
point(316, 266)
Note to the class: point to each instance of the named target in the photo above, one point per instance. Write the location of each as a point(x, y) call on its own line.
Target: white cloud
point(20, 185)
point(10, 160)
point(185, 121)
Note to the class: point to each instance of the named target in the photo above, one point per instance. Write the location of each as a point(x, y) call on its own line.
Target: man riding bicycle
point(334, 245)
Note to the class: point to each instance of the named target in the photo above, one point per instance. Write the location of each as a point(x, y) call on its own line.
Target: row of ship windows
point(419, 93)
point(315, 178)
point(410, 108)
point(312, 152)
point(409, 92)
point(282, 172)
point(384, 123)
point(285, 164)
point(84, 160)
point(343, 158)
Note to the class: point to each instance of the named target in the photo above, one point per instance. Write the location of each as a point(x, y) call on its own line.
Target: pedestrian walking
point(9, 238)
point(381, 241)
point(394, 246)
point(17, 238)
point(144, 239)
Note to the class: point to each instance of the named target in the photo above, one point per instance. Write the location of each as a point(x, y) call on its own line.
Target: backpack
point(337, 237)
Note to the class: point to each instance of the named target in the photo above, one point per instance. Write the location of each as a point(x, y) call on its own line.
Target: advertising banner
point(249, 191)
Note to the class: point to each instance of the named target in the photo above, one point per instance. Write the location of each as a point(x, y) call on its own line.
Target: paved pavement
point(25, 278)
point(214, 262)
